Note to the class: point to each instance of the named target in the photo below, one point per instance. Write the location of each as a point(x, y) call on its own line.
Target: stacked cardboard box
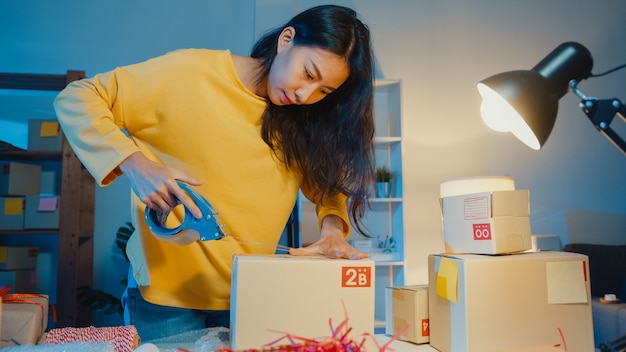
point(18, 268)
point(486, 294)
point(17, 180)
point(28, 197)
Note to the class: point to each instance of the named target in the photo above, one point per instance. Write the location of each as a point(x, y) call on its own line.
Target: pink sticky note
point(47, 204)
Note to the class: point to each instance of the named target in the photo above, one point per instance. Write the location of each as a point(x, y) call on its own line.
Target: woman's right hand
point(156, 184)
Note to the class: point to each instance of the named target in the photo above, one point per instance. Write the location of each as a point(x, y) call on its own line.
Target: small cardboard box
point(19, 179)
point(42, 212)
point(22, 281)
point(12, 213)
point(519, 302)
point(487, 223)
point(44, 135)
point(409, 306)
point(24, 319)
point(49, 183)
point(276, 295)
point(16, 257)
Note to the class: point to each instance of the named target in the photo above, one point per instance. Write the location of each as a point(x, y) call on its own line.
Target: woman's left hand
point(331, 243)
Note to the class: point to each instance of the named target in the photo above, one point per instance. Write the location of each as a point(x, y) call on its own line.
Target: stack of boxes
point(18, 268)
point(487, 291)
point(29, 196)
point(42, 209)
point(29, 199)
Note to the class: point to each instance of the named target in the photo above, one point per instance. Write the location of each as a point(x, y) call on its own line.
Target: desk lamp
point(525, 103)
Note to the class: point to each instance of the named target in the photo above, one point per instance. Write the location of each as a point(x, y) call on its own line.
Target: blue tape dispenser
point(209, 227)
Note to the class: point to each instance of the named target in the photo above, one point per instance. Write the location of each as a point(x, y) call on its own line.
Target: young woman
point(245, 132)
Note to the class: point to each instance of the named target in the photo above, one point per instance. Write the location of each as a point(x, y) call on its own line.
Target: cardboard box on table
point(276, 295)
point(520, 302)
point(494, 222)
point(24, 318)
point(408, 306)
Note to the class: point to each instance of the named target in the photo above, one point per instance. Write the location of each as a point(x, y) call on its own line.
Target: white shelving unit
point(384, 220)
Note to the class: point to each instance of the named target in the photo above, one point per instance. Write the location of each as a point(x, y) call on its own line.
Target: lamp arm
point(601, 113)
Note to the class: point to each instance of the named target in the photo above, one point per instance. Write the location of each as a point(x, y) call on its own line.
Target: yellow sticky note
point(3, 254)
point(566, 282)
point(49, 129)
point(447, 279)
point(13, 206)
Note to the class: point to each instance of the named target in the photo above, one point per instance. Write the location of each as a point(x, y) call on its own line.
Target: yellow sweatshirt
point(189, 110)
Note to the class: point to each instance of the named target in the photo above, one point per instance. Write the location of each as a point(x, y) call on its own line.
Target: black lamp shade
point(526, 102)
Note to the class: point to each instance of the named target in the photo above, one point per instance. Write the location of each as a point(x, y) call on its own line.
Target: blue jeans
point(154, 321)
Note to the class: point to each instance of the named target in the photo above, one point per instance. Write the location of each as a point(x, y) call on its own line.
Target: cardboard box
point(24, 319)
point(409, 306)
point(42, 212)
point(487, 223)
point(16, 257)
point(49, 183)
point(519, 302)
point(276, 295)
point(19, 179)
point(44, 135)
point(12, 213)
point(20, 281)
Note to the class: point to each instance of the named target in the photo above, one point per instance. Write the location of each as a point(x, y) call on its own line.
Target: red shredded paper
point(339, 341)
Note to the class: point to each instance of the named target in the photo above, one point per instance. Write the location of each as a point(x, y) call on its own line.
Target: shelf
point(388, 262)
point(30, 155)
point(31, 232)
point(384, 140)
point(385, 216)
point(386, 200)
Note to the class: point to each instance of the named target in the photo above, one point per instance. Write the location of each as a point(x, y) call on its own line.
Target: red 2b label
point(356, 276)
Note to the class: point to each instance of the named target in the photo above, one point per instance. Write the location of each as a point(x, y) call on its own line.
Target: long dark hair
point(329, 142)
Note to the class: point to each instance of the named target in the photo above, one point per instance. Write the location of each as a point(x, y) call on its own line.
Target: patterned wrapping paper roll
point(124, 338)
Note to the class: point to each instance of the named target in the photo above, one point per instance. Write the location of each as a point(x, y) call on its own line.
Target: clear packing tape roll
point(470, 185)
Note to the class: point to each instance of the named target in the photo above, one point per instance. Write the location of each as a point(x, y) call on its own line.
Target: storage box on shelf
point(384, 220)
point(75, 202)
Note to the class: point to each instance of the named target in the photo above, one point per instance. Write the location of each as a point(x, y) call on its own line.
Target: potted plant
point(383, 181)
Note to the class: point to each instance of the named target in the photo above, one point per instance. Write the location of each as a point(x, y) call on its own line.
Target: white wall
point(439, 49)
